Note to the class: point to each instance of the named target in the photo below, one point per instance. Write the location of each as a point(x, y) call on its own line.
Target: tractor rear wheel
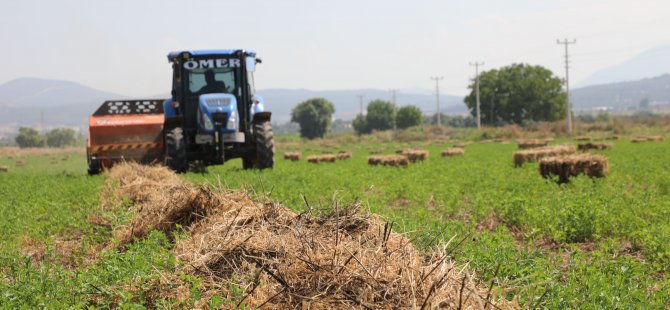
point(175, 150)
point(94, 166)
point(264, 156)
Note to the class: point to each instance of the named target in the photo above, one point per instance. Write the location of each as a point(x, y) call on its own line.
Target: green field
point(590, 243)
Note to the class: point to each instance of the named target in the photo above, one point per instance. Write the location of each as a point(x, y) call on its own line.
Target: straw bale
point(529, 144)
point(646, 138)
point(583, 138)
point(592, 165)
point(343, 155)
point(293, 156)
point(453, 152)
point(524, 156)
point(340, 259)
point(655, 138)
point(388, 160)
point(415, 155)
point(593, 146)
point(612, 137)
point(326, 158)
point(4, 168)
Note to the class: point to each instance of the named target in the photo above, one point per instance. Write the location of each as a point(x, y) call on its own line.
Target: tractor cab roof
point(172, 55)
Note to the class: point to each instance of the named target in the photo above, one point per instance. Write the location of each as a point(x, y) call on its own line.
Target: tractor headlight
point(232, 120)
point(206, 121)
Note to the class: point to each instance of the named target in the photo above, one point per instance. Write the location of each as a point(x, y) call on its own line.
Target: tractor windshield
point(215, 80)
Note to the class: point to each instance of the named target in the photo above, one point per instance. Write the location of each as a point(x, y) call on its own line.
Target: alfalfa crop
point(263, 255)
point(388, 160)
point(415, 155)
point(529, 144)
point(583, 147)
point(453, 152)
point(565, 167)
point(343, 155)
point(524, 156)
point(292, 156)
point(317, 159)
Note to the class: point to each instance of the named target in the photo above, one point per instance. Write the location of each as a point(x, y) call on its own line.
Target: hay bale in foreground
point(524, 156)
point(292, 156)
point(415, 155)
point(4, 168)
point(453, 152)
point(317, 159)
point(388, 160)
point(529, 144)
point(592, 165)
point(343, 155)
point(583, 147)
point(284, 260)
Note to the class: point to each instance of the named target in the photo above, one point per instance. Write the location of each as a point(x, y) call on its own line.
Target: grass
point(590, 243)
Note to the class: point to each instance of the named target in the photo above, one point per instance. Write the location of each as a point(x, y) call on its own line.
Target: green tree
point(381, 115)
point(61, 137)
point(360, 125)
point(29, 137)
point(408, 116)
point(516, 94)
point(314, 117)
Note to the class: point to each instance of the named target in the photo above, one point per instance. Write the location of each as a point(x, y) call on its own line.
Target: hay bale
point(376, 151)
point(524, 156)
point(317, 159)
point(612, 137)
point(4, 168)
point(343, 259)
point(583, 147)
point(565, 167)
point(388, 160)
point(529, 144)
point(548, 140)
point(453, 152)
point(639, 139)
point(21, 163)
point(583, 138)
point(343, 155)
point(415, 155)
point(292, 156)
point(655, 138)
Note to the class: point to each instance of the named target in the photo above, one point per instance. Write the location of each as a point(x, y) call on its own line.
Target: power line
point(360, 100)
point(476, 65)
point(567, 82)
point(437, 96)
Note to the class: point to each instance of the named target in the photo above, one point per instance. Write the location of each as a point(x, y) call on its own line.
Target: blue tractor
point(214, 113)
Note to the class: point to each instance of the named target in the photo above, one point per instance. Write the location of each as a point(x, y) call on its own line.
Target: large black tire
point(264, 156)
point(94, 166)
point(175, 150)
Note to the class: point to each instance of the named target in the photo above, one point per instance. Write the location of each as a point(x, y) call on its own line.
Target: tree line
point(58, 137)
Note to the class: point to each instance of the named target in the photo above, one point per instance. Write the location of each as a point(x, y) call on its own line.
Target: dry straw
point(293, 156)
point(281, 259)
point(592, 165)
point(388, 160)
point(529, 144)
point(326, 158)
point(593, 146)
point(415, 155)
point(524, 156)
point(343, 155)
point(453, 152)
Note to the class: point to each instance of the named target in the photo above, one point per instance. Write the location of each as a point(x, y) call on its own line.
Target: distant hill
point(653, 62)
point(33, 92)
point(624, 95)
point(27, 101)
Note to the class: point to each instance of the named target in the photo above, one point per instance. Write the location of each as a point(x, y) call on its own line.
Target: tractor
point(213, 115)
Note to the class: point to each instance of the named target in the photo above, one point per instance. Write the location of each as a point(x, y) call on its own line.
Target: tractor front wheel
point(175, 150)
point(264, 156)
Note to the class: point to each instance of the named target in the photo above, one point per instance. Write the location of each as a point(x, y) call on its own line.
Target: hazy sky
point(121, 45)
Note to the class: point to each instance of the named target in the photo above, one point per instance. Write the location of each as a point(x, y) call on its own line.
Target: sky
point(121, 45)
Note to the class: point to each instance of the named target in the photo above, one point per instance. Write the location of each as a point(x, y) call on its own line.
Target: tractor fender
point(261, 117)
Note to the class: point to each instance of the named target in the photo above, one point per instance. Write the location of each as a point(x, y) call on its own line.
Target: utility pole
point(395, 107)
point(437, 96)
point(476, 65)
point(360, 100)
point(566, 42)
